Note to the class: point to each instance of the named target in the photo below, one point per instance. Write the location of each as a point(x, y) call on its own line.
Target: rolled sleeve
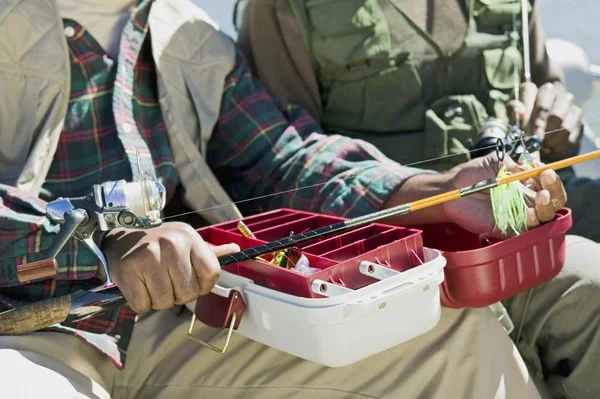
point(277, 155)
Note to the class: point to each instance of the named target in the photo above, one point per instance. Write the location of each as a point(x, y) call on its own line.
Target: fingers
point(205, 264)
point(148, 267)
point(551, 198)
point(551, 182)
point(198, 269)
point(558, 114)
point(136, 294)
point(532, 219)
point(172, 280)
point(225, 249)
point(573, 123)
point(182, 276)
point(544, 208)
point(516, 112)
point(544, 103)
point(164, 266)
point(160, 289)
point(533, 184)
point(567, 133)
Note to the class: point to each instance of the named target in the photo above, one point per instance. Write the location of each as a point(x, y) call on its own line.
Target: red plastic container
point(479, 271)
point(338, 255)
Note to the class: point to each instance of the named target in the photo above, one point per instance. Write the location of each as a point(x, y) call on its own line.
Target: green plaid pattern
point(93, 148)
point(260, 147)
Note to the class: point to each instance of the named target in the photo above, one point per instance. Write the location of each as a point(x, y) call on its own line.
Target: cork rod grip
point(36, 316)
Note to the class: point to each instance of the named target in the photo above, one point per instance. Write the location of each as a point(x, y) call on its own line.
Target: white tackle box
point(343, 325)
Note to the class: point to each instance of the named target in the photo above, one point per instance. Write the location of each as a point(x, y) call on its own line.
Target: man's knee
point(27, 374)
point(579, 243)
point(65, 361)
point(582, 259)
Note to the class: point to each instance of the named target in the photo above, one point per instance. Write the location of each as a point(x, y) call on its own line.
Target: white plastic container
point(342, 329)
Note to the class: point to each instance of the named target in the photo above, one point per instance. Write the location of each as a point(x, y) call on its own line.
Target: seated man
point(415, 78)
point(85, 87)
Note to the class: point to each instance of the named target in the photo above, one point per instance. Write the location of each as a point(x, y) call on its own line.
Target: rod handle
point(36, 316)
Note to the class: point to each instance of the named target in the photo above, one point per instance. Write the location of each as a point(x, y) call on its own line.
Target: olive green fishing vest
point(366, 52)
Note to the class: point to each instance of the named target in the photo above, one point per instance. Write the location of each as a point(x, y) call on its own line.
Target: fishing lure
point(286, 258)
point(245, 230)
point(511, 201)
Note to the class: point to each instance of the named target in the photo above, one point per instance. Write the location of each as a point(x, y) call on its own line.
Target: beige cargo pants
point(467, 355)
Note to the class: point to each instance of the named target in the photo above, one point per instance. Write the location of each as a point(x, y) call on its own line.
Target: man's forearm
point(418, 187)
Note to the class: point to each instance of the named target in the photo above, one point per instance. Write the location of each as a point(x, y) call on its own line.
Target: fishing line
point(590, 122)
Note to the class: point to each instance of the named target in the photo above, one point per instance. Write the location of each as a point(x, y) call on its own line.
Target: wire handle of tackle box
point(225, 310)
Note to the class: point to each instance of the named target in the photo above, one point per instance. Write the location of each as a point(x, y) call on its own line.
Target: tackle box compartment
point(337, 256)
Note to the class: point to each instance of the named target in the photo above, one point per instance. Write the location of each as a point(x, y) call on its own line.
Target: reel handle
point(35, 271)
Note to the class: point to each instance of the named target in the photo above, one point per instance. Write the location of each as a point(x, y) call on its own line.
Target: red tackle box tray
point(337, 256)
point(479, 272)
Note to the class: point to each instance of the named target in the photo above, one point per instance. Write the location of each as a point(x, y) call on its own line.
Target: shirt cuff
point(369, 189)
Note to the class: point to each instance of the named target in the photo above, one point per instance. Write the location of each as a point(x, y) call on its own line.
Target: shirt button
point(127, 128)
point(69, 31)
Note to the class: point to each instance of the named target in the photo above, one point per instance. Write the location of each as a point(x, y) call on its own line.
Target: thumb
point(225, 249)
point(516, 111)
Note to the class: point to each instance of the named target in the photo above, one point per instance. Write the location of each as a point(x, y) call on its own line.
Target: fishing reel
point(115, 204)
point(108, 206)
point(496, 135)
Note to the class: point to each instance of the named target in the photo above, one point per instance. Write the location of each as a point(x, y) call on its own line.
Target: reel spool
point(135, 204)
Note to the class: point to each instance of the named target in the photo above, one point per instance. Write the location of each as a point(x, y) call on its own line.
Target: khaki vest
point(365, 54)
point(192, 56)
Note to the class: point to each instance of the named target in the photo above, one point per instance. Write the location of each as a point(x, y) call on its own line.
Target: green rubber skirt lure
point(510, 203)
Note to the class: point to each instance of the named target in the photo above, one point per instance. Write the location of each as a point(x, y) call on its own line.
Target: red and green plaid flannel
point(260, 146)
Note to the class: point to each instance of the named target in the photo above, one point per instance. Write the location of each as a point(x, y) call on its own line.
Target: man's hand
point(163, 266)
point(474, 213)
point(554, 119)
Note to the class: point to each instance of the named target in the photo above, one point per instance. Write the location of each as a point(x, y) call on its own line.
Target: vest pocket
point(393, 99)
point(364, 85)
point(388, 101)
point(497, 13)
point(344, 32)
point(501, 65)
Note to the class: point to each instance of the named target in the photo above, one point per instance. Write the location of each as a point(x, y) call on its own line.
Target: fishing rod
point(494, 129)
point(148, 197)
point(529, 90)
point(400, 210)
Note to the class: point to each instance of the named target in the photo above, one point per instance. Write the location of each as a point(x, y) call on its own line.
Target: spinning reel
point(497, 135)
point(107, 206)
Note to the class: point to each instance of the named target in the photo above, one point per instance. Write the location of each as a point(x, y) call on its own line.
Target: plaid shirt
point(260, 146)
